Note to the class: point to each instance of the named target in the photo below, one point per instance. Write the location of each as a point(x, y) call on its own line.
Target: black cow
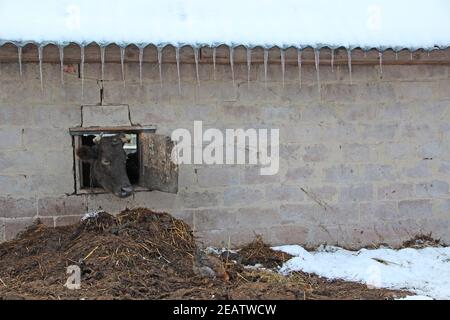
point(108, 163)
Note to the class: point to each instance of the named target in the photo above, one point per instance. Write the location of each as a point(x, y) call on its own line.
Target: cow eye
point(106, 162)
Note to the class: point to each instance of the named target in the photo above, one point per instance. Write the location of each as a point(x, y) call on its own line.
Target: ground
point(145, 255)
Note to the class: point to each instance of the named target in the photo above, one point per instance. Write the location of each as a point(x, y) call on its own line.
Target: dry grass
point(257, 252)
point(422, 241)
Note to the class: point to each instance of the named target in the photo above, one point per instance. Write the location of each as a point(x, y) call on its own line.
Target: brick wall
point(361, 163)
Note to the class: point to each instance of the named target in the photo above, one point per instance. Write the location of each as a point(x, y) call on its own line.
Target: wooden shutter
point(158, 172)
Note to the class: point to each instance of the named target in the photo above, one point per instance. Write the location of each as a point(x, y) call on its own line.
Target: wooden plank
point(96, 130)
point(158, 172)
point(77, 164)
point(72, 54)
point(8, 53)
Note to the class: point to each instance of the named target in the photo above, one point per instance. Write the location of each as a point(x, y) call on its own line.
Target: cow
point(108, 163)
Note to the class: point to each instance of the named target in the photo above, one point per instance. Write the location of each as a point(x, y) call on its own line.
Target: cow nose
point(126, 191)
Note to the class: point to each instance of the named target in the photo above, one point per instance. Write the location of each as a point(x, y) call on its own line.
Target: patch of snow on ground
point(257, 266)
point(218, 251)
point(415, 298)
point(91, 214)
point(422, 271)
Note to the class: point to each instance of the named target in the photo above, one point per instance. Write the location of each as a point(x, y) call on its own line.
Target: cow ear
point(86, 153)
point(125, 138)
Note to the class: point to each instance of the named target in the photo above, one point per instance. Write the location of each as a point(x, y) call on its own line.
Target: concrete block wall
point(362, 162)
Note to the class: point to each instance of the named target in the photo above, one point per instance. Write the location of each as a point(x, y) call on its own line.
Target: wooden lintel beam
point(95, 130)
point(72, 55)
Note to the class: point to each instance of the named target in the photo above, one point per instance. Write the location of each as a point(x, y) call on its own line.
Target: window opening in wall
point(87, 180)
point(148, 159)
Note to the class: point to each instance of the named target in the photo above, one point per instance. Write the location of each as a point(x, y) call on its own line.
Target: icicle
point(177, 57)
point(232, 63)
point(214, 62)
point(266, 60)
point(61, 60)
point(196, 66)
point(283, 64)
point(122, 63)
point(249, 65)
point(299, 63)
point(141, 59)
point(102, 58)
point(19, 53)
point(332, 60)
point(317, 63)
point(380, 54)
point(159, 50)
point(411, 55)
point(349, 55)
point(82, 71)
point(40, 53)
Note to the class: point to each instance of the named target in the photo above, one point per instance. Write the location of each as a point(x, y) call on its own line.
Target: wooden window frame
point(78, 132)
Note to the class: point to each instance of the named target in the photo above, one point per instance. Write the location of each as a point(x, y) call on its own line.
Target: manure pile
point(140, 254)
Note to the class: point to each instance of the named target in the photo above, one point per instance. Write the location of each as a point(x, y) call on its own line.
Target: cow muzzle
point(126, 191)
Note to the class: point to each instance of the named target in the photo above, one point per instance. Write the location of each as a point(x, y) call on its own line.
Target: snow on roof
point(367, 24)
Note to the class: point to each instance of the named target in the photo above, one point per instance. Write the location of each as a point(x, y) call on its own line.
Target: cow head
point(108, 163)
